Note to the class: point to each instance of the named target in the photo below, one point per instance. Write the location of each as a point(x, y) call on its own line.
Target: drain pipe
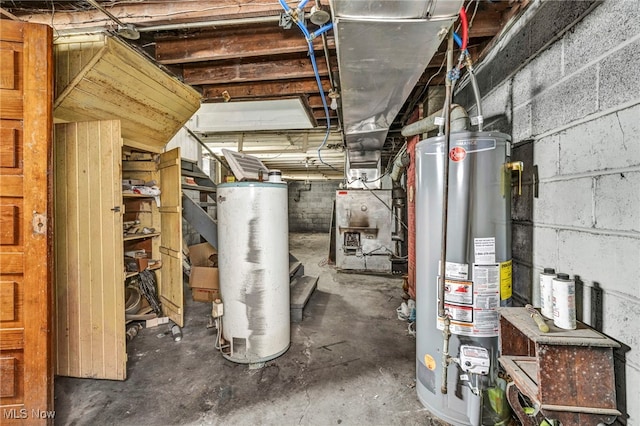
point(446, 332)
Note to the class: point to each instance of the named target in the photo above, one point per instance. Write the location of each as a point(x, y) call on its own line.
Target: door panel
point(90, 331)
point(171, 286)
point(26, 94)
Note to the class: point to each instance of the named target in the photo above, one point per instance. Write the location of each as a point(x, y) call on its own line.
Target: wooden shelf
point(128, 195)
point(140, 237)
point(524, 372)
point(150, 268)
point(557, 370)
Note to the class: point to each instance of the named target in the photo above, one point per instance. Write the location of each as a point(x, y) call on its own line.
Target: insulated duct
point(383, 48)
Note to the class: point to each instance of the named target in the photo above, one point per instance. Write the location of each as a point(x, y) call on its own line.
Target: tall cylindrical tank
point(478, 264)
point(253, 259)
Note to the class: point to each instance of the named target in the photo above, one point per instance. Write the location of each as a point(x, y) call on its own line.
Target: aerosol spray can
point(564, 302)
point(176, 333)
point(546, 292)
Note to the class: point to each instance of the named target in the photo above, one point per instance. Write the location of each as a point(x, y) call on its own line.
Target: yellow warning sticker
point(506, 280)
point(430, 362)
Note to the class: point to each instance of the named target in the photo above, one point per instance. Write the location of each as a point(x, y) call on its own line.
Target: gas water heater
point(477, 274)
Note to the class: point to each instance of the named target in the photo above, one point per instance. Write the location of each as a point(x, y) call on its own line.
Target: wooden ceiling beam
point(271, 89)
point(487, 24)
point(235, 44)
point(151, 13)
point(277, 69)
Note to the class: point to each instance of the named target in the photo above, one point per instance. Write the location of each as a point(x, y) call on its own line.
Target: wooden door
point(171, 288)
point(26, 97)
point(90, 329)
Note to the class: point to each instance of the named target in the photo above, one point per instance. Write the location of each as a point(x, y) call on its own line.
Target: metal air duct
point(383, 48)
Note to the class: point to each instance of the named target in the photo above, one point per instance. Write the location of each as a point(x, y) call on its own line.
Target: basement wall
point(570, 96)
point(311, 205)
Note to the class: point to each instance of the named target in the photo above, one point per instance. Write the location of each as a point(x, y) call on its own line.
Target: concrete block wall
point(573, 109)
point(311, 205)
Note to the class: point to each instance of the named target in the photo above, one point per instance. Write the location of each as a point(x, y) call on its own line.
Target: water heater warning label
point(484, 250)
point(472, 305)
point(458, 292)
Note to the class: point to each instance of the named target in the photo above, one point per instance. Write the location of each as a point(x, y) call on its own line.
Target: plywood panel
point(90, 284)
point(11, 338)
point(9, 70)
point(8, 370)
point(171, 288)
point(71, 58)
point(9, 225)
point(8, 301)
point(119, 83)
point(26, 73)
point(11, 185)
point(9, 149)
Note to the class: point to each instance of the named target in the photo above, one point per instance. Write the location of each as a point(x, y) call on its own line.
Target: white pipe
point(459, 121)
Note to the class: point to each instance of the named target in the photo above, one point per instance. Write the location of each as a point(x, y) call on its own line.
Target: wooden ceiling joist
point(277, 69)
point(265, 90)
point(234, 44)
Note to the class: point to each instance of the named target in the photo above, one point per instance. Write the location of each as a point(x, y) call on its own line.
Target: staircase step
point(301, 289)
point(296, 268)
point(206, 226)
point(207, 204)
point(199, 188)
point(194, 174)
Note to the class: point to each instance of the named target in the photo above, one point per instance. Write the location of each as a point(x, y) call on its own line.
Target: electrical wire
point(309, 37)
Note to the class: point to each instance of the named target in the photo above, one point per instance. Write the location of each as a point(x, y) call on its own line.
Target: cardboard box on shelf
point(203, 278)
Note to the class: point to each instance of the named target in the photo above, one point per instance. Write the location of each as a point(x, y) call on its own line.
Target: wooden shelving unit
point(110, 101)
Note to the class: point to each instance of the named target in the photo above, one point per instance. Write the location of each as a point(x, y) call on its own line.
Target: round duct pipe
point(459, 122)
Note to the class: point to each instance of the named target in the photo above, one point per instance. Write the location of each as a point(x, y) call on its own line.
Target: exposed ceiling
point(236, 50)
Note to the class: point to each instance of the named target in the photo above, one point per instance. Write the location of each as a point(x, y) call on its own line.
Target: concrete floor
point(351, 362)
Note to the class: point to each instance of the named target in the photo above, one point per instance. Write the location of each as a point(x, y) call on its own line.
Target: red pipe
point(465, 28)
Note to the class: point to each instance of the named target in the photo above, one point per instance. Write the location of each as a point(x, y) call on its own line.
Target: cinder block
point(621, 323)
point(566, 203)
point(521, 280)
point(608, 142)
point(610, 260)
point(522, 242)
point(631, 378)
point(606, 27)
point(619, 80)
point(521, 123)
point(617, 199)
point(545, 248)
point(573, 98)
point(552, 18)
point(546, 152)
point(543, 71)
point(522, 204)
point(497, 103)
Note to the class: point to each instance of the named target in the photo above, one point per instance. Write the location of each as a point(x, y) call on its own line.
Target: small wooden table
point(567, 374)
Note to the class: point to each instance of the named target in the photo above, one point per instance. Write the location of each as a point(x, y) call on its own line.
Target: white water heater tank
point(253, 259)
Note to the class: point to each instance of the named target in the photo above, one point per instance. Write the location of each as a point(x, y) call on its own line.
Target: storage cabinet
point(115, 112)
point(567, 374)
